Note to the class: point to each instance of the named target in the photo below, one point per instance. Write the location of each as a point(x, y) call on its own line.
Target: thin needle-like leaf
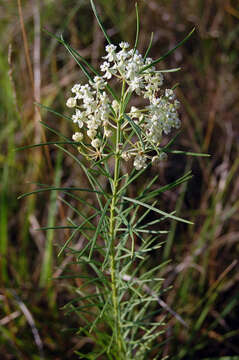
point(52, 188)
point(87, 74)
point(156, 210)
point(99, 21)
point(137, 28)
point(91, 178)
point(136, 129)
point(188, 153)
point(168, 52)
point(53, 111)
point(98, 229)
point(149, 47)
point(75, 54)
point(45, 144)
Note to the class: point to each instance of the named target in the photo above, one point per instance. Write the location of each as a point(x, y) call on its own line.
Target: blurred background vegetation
point(203, 271)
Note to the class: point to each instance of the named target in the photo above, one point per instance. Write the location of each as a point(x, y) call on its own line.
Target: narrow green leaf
point(187, 153)
point(93, 181)
point(137, 28)
point(156, 210)
point(102, 160)
point(127, 98)
point(175, 86)
point(67, 242)
point(167, 187)
point(100, 315)
point(98, 229)
point(168, 53)
point(149, 47)
point(56, 227)
point(171, 142)
point(63, 42)
point(78, 228)
point(150, 231)
point(79, 212)
point(169, 70)
point(99, 21)
point(83, 201)
point(156, 221)
point(53, 130)
point(56, 189)
point(173, 225)
point(47, 108)
point(87, 74)
point(84, 61)
point(45, 144)
point(136, 129)
point(133, 176)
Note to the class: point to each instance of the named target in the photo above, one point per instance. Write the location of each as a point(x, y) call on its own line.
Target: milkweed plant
point(119, 302)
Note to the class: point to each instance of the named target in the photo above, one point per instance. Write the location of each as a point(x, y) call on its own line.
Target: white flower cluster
point(97, 115)
point(93, 112)
point(127, 64)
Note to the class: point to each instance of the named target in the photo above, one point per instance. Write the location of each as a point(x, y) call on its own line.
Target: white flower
point(132, 69)
point(109, 71)
point(104, 98)
point(91, 133)
point(136, 114)
point(105, 66)
point(78, 136)
point(115, 106)
point(136, 85)
point(95, 143)
point(121, 57)
point(98, 83)
point(176, 104)
point(155, 159)
point(140, 162)
point(110, 49)
point(124, 45)
point(79, 117)
point(107, 132)
point(169, 94)
point(71, 102)
point(163, 156)
point(125, 155)
point(76, 88)
point(148, 61)
point(92, 124)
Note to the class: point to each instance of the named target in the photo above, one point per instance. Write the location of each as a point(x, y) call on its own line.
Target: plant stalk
point(112, 230)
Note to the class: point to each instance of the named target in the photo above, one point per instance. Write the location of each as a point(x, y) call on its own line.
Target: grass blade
point(46, 270)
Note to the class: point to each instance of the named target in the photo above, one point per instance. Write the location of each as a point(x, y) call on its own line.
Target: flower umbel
point(142, 129)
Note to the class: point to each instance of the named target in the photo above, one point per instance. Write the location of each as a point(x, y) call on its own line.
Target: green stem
point(112, 230)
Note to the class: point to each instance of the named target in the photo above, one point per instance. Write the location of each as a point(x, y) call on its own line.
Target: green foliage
point(118, 301)
point(201, 254)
